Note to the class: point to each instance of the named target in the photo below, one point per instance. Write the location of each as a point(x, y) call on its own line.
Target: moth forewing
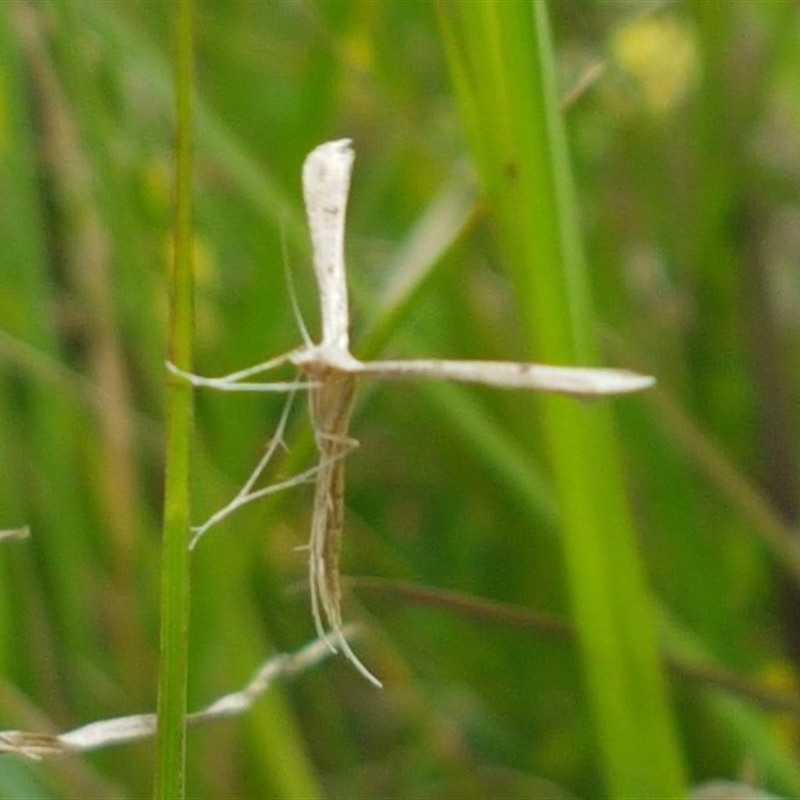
point(573, 381)
point(326, 183)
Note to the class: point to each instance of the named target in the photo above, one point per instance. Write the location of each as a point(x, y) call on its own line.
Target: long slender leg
point(243, 499)
point(236, 381)
point(247, 494)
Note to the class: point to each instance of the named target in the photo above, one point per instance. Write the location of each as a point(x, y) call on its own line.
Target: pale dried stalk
point(331, 371)
point(14, 534)
point(121, 730)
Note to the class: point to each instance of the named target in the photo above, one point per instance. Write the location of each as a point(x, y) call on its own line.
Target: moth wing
point(574, 381)
point(326, 185)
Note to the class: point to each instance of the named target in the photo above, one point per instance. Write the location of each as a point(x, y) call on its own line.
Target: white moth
point(331, 371)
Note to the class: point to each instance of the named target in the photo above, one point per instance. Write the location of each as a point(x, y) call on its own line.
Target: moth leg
point(243, 498)
point(237, 381)
point(247, 494)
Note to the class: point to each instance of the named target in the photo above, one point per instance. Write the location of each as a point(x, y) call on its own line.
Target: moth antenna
point(290, 285)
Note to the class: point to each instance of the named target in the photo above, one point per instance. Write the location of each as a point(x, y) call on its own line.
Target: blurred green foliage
point(686, 159)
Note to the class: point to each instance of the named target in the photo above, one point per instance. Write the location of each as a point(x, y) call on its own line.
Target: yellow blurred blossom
point(660, 54)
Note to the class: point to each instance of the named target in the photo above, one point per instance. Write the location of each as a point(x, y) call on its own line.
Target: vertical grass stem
point(169, 781)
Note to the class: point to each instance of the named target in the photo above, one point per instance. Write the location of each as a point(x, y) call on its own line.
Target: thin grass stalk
point(501, 62)
point(23, 266)
point(29, 299)
point(171, 749)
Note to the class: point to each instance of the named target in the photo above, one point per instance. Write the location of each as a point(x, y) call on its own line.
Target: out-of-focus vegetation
point(685, 158)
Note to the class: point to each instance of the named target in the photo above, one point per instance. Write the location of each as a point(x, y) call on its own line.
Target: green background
point(684, 161)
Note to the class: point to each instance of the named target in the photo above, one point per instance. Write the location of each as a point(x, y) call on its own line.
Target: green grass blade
point(501, 61)
point(171, 764)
